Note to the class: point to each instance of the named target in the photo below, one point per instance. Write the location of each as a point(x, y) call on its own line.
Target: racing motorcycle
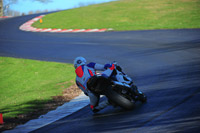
point(118, 88)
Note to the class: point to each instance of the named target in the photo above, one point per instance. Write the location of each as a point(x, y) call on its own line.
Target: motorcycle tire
point(119, 99)
point(143, 98)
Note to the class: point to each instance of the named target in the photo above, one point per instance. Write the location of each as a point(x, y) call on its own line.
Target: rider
point(84, 72)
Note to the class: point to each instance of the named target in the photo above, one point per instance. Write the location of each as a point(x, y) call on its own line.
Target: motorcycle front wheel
point(118, 99)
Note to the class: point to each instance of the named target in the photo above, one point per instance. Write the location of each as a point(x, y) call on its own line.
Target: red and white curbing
point(5, 16)
point(27, 27)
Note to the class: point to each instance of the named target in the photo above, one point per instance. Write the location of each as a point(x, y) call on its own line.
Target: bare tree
point(81, 4)
point(23, 14)
point(16, 13)
point(43, 1)
point(30, 12)
point(38, 11)
point(4, 7)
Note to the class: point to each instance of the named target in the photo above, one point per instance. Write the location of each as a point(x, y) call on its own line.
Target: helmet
point(79, 61)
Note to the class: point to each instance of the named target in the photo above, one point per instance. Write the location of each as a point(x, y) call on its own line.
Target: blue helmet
point(79, 61)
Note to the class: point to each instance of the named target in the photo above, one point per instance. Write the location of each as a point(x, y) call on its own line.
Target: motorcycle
point(118, 88)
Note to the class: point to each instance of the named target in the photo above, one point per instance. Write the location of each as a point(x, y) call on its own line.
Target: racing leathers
point(84, 73)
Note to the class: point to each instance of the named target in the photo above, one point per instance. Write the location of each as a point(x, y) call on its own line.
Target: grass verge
point(128, 15)
point(30, 88)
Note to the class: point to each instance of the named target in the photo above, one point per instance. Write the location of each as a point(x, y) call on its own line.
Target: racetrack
point(165, 64)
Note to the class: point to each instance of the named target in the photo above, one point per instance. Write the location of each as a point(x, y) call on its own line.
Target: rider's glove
point(107, 66)
point(119, 68)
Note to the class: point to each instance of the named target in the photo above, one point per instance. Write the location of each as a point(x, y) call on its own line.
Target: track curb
point(5, 16)
point(28, 27)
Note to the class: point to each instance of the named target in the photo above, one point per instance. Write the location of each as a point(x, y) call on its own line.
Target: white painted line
point(55, 30)
point(92, 30)
point(46, 30)
point(69, 30)
point(78, 30)
point(35, 19)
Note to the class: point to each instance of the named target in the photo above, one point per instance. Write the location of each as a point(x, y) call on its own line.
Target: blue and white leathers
point(83, 73)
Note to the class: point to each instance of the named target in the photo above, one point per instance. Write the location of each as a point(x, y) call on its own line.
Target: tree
point(1, 7)
point(4, 7)
point(43, 1)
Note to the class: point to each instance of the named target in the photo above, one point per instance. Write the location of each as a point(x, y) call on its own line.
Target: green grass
point(128, 15)
point(28, 84)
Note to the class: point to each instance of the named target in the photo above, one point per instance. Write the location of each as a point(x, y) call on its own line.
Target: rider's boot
point(101, 106)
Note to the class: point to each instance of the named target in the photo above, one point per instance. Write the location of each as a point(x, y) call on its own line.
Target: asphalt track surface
point(165, 65)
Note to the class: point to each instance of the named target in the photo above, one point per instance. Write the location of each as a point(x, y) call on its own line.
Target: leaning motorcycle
point(118, 88)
